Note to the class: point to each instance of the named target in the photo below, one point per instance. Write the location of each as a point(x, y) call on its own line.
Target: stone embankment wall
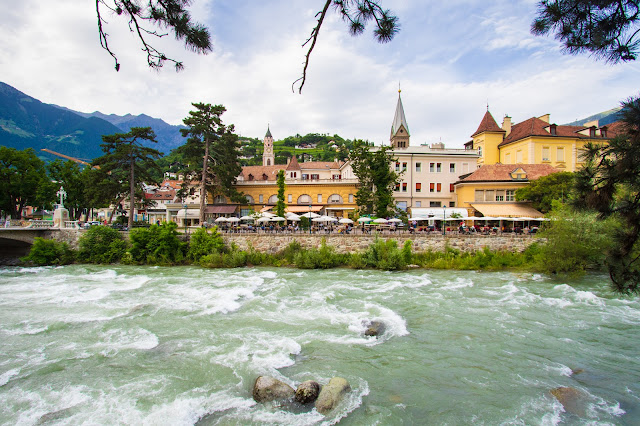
point(273, 243)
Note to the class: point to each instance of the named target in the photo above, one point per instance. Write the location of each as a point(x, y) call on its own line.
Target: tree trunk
point(132, 188)
point(203, 182)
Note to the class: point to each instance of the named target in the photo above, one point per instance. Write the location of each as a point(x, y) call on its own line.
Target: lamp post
point(309, 219)
point(444, 220)
point(184, 221)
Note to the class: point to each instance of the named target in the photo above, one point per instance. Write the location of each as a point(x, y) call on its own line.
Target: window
point(273, 199)
point(304, 199)
point(507, 158)
point(397, 187)
point(404, 167)
point(560, 154)
point(510, 195)
point(518, 156)
point(500, 195)
point(305, 176)
point(418, 204)
point(480, 151)
point(489, 195)
point(260, 199)
point(452, 203)
point(418, 187)
point(452, 188)
point(397, 167)
point(351, 198)
point(219, 199)
point(402, 205)
point(294, 174)
point(289, 198)
point(335, 199)
point(479, 195)
point(439, 187)
point(404, 186)
point(432, 167)
point(336, 177)
point(249, 199)
point(545, 153)
point(452, 167)
point(432, 187)
point(319, 198)
point(315, 176)
point(418, 167)
point(438, 167)
point(435, 204)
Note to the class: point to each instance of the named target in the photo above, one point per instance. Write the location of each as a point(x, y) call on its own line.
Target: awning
point(437, 212)
point(507, 210)
point(190, 214)
point(340, 208)
point(302, 209)
point(226, 209)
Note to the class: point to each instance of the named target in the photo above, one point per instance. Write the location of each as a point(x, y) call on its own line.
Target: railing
point(71, 224)
point(299, 181)
point(41, 224)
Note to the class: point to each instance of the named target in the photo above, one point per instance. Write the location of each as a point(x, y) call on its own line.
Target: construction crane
point(77, 160)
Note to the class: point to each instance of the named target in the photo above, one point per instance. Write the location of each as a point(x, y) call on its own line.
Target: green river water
point(181, 346)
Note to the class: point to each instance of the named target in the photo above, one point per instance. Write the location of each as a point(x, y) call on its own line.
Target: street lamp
point(444, 220)
point(309, 219)
point(184, 221)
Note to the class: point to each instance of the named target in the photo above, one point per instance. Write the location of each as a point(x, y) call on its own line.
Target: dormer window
point(264, 177)
point(603, 131)
point(553, 129)
point(251, 176)
point(592, 132)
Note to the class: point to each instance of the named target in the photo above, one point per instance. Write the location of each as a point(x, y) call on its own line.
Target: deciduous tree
point(23, 181)
point(280, 206)
point(543, 191)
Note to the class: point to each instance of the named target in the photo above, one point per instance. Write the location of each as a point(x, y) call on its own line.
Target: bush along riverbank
point(163, 245)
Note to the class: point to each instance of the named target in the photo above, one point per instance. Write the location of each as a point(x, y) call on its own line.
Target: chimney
point(288, 160)
point(506, 124)
point(546, 118)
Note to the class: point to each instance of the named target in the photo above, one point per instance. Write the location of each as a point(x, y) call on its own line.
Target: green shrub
point(203, 243)
point(385, 255)
point(157, 245)
point(290, 252)
point(101, 244)
point(323, 258)
point(49, 252)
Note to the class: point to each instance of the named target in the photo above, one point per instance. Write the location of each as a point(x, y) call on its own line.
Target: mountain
point(604, 118)
point(168, 136)
point(25, 122)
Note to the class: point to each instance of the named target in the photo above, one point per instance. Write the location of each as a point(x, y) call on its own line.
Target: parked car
point(90, 224)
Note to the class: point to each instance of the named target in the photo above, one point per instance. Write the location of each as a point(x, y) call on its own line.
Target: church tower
point(399, 128)
point(268, 159)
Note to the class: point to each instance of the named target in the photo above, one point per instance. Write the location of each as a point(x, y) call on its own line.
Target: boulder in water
point(571, 399)
point(307, 392)
point(331, 394)
point(267, 388)
point(375, 328)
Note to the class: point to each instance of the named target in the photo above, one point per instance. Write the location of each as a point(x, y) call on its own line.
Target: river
point(183, 346)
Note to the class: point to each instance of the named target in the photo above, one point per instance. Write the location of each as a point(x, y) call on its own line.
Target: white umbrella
point(345, 220)
point(318, 219)
point(331, 219)
point(380, 220)
point(364, 219)
point(395, 220)
point(418, 218)
point(277, 219)
point(220, 219)
point(233, 219)
point(263, 219)
point(247, 218)
point(292, 216)
point(310, 215)
point(267, 214)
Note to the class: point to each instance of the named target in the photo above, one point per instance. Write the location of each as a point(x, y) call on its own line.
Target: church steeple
point(268, 158)
point(399, 128)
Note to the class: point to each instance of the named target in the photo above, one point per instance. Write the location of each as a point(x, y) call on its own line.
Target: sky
point(451, 59)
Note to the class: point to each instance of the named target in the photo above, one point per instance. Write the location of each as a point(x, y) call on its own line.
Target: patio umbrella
point(418, 218)
point(277, 219)
point(310, 215)
point(380, 220)
point(364, 219)
point(292, 216)
point(233, 219)
point(395, 220)
point(263, 219)
point(247, 218)
point(220, 219)
point(267, 214)
point(345, 220)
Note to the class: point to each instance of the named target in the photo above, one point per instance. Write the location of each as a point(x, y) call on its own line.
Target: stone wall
point(272, 243)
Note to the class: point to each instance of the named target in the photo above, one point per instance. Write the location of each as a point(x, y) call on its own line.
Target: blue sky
point(451, 58)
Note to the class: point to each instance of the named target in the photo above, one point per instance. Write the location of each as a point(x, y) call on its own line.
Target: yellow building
point(536, 141)
point(490, 190)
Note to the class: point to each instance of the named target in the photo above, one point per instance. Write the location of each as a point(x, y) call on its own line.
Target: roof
point(268, 134)
point(502, 172)
point(506, 210)
point(488, 124)
point(321, 165)
point(293, 164)
point(537, 127)
point(399, 119)
point(258, 171)
point(160, 195)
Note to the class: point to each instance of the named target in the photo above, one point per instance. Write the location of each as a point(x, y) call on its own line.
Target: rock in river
point(571, 399)
point(331, 394)
point(375, 328)
point(267, 388)
point(307, 392)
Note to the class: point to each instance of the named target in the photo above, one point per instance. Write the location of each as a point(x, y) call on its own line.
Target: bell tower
point(399, 128)
point(268, 159)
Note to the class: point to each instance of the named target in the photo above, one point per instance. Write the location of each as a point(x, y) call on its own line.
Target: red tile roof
point(488, 124)
point(502, 172)
point(258, 171)
point(327, 165)
point(537, 127)
point(293, 164)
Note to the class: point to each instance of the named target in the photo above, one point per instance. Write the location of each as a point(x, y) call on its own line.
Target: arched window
point(304, 199)
point(335, 199)
point(219, 199)
point(273, 199)
point(268, 162)
point(250, 199)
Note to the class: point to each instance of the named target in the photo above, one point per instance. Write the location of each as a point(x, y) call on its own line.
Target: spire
point(268, 135)
point(399, 119)
point(488, 124)
point(293, 164)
